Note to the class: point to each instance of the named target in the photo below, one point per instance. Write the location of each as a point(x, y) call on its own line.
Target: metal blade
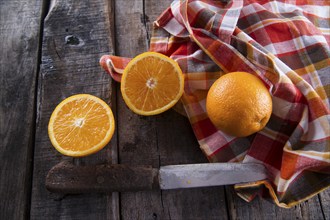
point(209, 174)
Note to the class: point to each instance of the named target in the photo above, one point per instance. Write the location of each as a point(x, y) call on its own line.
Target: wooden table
point(50, 51)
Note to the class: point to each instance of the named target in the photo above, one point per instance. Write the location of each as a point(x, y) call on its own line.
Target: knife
point(66, 177)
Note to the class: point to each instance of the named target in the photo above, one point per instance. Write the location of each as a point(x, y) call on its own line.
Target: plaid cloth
point(285, 44)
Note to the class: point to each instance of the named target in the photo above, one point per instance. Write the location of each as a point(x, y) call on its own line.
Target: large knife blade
point(66, 177)
point(209, 174)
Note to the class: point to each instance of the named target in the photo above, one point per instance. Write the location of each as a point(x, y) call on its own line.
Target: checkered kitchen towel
point(285, 44)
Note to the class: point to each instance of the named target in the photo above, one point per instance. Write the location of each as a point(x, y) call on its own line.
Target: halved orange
point(151, 83)
point(81, 125)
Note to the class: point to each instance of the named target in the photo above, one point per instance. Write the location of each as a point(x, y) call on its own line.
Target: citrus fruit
point(239, 104)
point(81, 125)
point(151, 83)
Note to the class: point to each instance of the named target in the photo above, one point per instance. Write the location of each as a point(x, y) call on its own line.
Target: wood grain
point(325, 203)
point(239, 209)
point(19, 45)
point(159, 140)
point(75, 35)
point(168, 139)
point(137, 138)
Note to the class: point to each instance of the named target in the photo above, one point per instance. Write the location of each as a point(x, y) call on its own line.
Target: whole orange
point(239, 104)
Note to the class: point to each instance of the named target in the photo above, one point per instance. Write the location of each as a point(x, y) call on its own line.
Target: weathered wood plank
point(137, 139)
point(312, 208)
point(262, 209)
point(177, 145)
point(19, 45)
point(76, 34)
point(157, 140)
point(169, 136)
point(325, 203)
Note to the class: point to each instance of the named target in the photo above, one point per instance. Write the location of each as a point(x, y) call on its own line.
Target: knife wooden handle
point(68, 178)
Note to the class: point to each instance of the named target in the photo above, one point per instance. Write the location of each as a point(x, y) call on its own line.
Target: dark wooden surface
point(50, 50)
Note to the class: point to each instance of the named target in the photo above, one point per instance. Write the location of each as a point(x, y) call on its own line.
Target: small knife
point(66, 177)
